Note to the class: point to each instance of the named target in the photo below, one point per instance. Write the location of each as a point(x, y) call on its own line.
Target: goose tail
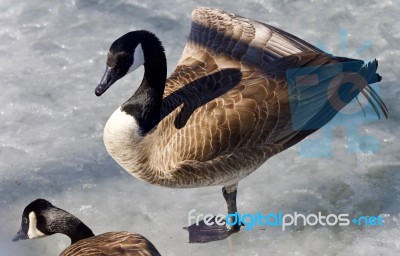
point(368, 72)
point(314, 105)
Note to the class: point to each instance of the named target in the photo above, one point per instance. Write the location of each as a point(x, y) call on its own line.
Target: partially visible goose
point(230, 104)
point(40, 218)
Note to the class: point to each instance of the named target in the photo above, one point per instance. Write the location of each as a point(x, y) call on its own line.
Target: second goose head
point(40, 218)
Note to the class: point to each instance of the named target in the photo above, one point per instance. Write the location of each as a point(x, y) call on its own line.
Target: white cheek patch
point(138, 58)
point(33, 232)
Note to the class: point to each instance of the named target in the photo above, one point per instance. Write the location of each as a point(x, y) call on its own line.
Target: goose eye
point(25, 220)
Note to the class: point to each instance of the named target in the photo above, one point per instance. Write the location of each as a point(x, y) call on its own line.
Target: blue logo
point(312, 106)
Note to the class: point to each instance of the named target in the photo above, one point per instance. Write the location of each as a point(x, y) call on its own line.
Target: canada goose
point(231, 103)
point(40, 218)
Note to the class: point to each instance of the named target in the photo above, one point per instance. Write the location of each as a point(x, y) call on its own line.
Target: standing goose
point(40, 218)
point(230, 104)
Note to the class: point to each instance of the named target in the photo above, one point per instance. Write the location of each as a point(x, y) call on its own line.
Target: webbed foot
point(203, 233)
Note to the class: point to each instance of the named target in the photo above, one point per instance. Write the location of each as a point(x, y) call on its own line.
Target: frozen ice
point(53, 56)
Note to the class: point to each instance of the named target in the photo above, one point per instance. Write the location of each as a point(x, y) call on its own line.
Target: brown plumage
point(40, 218)
point(112, 243)
point(228, 106)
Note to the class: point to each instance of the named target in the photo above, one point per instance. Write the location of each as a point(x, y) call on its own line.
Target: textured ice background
point(52, 55)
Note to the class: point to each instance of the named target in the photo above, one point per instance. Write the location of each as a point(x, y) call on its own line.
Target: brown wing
point(229, 92)
point(112, 243)
point(219, 71)
point(221, 40)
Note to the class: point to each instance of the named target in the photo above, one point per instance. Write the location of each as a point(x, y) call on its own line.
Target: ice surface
point(53, 56)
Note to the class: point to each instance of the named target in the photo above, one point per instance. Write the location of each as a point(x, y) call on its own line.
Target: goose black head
point(125, 55)
point(33, 223)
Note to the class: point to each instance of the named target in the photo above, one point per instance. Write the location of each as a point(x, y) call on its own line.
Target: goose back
point(112, 243)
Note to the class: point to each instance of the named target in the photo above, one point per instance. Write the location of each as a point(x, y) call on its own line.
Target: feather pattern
point(112, 243)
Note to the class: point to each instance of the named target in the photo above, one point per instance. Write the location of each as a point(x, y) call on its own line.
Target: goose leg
point(203, 233)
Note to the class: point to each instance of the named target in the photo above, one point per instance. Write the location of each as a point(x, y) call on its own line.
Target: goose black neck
point(69, 225)
point(145, 104)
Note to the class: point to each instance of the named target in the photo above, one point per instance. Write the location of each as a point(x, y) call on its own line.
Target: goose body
point(229, 104)
point(40, 218)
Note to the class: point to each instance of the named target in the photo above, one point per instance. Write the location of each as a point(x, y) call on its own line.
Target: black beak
point(20, 236)
point(107, 80)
